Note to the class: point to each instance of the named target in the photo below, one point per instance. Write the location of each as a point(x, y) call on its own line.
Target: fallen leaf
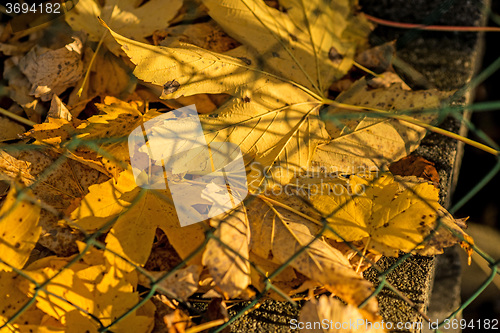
point(180, 284)
point(10, 130)
point(364, 141)
point(96, 289)
point(53, 71)
point(207, 35)
point(226, 255)
point(415, 165)
point(379, 213)
point(136, 213)
point(177, 321)
point(110, 130)
point(58, 110)
point(273, 116)
point(329, 315)
point(19, 90)
point(131, 18)
point(55, 185)
point(19, 228)
point(280, 234)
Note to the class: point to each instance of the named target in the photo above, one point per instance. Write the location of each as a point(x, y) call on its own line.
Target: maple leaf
point(19, 228)
point(136, 214)
point(128, 17)
point(13, 300)
point(110, 129)
point(387, 219)
point(274, 113)
point(93, 284)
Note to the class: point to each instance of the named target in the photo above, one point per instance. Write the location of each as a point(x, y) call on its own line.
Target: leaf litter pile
point(315, 111)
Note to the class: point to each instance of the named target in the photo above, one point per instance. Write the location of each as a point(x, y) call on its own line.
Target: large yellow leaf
point(274, 115)
point(19, 230)
point(138, 213)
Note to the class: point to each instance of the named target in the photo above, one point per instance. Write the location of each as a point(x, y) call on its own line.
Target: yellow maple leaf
point(278, 78)
point(107, 132)
point(19, 229)
point(93, 286)
point(136, 213)
point(379, 213)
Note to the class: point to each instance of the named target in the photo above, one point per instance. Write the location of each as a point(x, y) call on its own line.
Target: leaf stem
point(17, 118)
point(414, 121)
point(94, 56)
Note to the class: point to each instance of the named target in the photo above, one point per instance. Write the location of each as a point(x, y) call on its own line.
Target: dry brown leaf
point(228, 264)
point(53, 71)
point(417, 166)
point(207, 35)
point(58, 110)
point(19, 89)
point(177, 321)
point(10, 130)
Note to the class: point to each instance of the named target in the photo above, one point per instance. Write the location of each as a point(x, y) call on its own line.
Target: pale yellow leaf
point(180, 284)
point(377, 212)
point(329, 315)
point(226, 256)
point(128, 17)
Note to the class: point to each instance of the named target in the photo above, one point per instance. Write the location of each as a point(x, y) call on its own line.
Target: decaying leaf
point(53, 71)
point(329, 315)
point(226, 256)
point(415, 165)
point(10, 130)
point(56, 181)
